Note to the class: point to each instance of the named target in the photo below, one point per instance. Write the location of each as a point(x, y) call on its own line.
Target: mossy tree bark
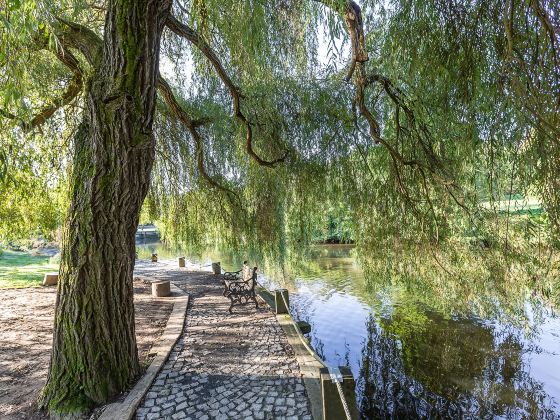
point(94, 353)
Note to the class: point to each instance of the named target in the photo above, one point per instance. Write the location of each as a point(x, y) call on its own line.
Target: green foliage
point(449, 74)
point(478, 80)
point(28, 208)
point(33, 194)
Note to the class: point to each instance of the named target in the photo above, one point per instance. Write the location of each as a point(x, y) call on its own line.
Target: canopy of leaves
point(262, 130)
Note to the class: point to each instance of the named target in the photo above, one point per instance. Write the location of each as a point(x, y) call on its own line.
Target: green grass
point(21, 269)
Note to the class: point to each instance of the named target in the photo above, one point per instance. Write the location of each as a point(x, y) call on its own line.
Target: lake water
point(413, 359)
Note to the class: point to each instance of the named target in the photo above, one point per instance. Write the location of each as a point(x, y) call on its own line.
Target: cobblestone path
point(224, 366)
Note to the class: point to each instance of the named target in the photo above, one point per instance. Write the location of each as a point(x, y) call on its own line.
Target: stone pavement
point(224, 366)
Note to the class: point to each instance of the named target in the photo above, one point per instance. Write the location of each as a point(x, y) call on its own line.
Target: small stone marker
point(161, 288)
point(281, 307)
point(216, 268)
point(181, 261)
point(154, 257)
point(332, 404)
point(304, 327)
point(51, 279)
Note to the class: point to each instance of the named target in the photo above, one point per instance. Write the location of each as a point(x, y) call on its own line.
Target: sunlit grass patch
point(21, 269)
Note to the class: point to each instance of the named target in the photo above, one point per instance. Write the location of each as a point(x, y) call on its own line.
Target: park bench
point(239, 286)
point(239, 275)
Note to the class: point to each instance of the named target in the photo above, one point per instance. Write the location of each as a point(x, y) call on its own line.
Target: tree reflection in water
point(446, 368)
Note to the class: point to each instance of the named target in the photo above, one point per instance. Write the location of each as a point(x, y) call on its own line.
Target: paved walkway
point(224, 366)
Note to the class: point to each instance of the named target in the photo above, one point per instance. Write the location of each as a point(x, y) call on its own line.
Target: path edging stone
point(309, 363)
point(126, 409)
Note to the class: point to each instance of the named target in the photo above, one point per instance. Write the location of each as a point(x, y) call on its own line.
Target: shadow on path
point(224, 365)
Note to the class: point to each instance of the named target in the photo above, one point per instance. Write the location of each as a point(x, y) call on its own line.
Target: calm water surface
point(413, 361)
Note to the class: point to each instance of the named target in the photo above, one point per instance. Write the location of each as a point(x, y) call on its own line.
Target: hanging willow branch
point(192, 36)
point(191, 126)
point(414, 127)
point(68, 35)
point(74, 88)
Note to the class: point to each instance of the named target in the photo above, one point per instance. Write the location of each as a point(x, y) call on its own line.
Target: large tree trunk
point(94, 353)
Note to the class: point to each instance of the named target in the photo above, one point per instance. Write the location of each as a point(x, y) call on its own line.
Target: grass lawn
point(21, 269)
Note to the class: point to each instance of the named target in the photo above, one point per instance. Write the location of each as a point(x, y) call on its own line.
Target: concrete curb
point(309, 363)
point(126, 409)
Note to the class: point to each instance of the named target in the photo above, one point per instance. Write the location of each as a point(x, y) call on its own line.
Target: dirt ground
point(26, 321)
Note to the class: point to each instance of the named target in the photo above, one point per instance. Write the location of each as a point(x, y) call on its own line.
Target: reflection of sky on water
point(337, 324)
point(411, 360)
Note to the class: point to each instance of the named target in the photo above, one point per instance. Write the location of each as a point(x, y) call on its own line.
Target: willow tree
point(94, 353)
point(94, 345)
point(260, 123)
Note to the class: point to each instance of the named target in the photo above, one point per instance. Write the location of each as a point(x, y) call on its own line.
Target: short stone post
point(304, 327)
point(216, 268)
point(161, 288)
point(50, 279)
point(332, 403)
point(181, 261)
point(281, 307)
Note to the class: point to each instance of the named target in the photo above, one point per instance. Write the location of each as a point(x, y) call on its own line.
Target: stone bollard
point(332, 404)
point(154, 257)
point(50, 279)
point(281, 307)
point(216, 268)
point(181, 261)
point(304, 327)
point(161, 288)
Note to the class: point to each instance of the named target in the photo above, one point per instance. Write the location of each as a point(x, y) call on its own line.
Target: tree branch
point(191, 35)
point(508, 25)
point(69, 35)
point(354, 24)
point(74, 35)
point(191, 126)
point(544, 17)
point(72, 91)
